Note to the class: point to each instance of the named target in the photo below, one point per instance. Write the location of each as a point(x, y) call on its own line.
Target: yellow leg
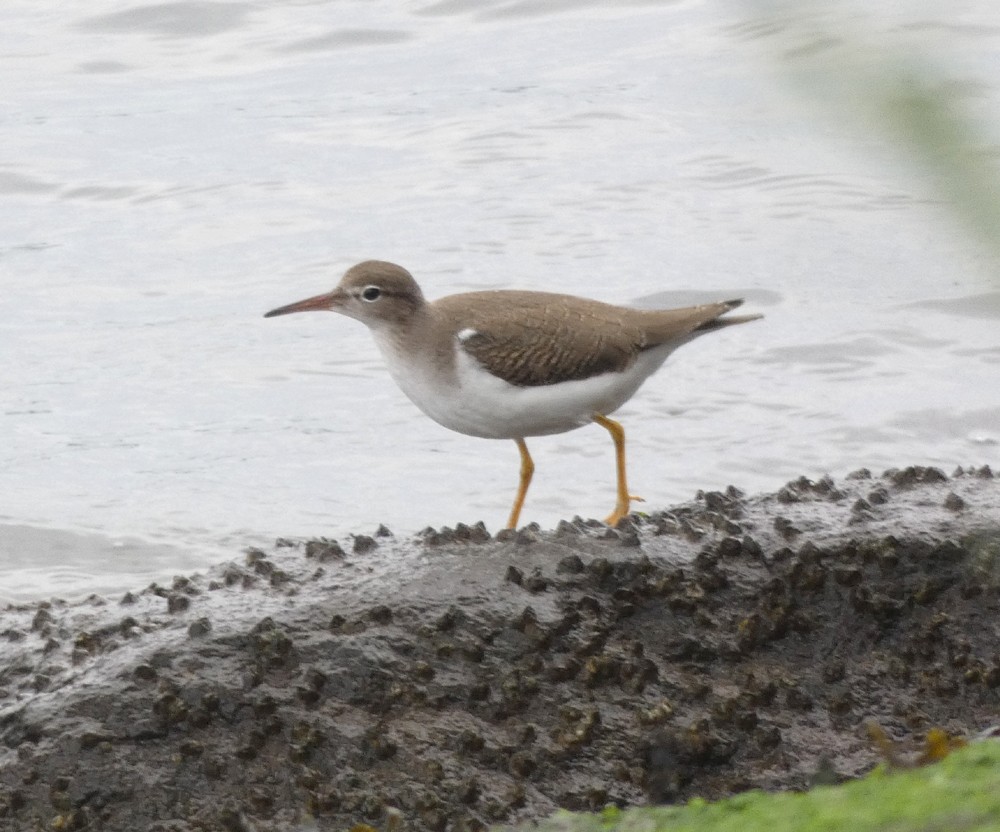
point(624, 498)
point(527, 470)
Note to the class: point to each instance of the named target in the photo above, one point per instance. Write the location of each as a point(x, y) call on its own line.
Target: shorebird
point(512, 364)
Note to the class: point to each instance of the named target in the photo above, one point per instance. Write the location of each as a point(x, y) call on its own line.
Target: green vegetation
point(959, 794)
point(879, 86)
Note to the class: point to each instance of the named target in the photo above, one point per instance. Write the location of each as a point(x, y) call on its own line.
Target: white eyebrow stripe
point(464, 335)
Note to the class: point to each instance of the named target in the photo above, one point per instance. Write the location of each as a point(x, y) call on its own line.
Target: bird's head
point(374, 292)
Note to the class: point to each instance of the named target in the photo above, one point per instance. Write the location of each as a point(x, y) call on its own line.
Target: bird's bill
point(318, 303)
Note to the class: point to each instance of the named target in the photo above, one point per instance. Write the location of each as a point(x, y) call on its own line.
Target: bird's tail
point(720, 322)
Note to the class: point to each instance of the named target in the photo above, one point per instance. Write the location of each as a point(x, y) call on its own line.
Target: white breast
point(474, 402)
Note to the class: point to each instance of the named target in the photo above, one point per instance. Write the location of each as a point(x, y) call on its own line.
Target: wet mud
point(459, 680)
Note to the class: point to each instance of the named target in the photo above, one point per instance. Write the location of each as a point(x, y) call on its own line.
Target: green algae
point(959, 794)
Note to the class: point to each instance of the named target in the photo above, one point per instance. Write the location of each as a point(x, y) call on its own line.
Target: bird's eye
point(371, 293)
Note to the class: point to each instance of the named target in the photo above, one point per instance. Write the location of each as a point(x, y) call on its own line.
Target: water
point(173, 170)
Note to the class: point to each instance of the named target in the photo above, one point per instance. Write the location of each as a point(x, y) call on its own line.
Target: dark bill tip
point(319, 303)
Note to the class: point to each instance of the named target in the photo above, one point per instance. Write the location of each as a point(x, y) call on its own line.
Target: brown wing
point(534, 338)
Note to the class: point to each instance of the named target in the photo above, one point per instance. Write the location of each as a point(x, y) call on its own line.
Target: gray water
point(171, 171)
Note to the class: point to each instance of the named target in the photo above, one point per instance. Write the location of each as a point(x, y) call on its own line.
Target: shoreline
point(458, 680)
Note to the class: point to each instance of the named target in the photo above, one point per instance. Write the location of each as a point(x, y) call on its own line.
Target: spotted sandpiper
point(511, 364)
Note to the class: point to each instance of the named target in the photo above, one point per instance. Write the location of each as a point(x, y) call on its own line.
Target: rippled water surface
point(173, 170)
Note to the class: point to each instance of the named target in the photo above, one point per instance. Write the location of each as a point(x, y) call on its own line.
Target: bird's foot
point(622, 510)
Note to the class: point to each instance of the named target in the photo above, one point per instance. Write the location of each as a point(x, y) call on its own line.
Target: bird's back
point(535, 338)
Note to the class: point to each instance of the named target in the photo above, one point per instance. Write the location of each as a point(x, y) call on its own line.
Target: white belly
point(477, 403)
